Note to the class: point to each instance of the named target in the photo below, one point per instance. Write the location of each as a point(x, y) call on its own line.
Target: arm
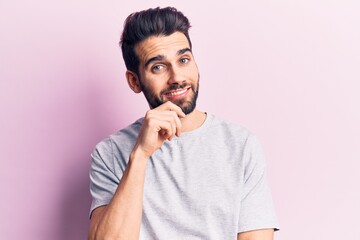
point(263, 234)
point(121, 219)
point(257, 219)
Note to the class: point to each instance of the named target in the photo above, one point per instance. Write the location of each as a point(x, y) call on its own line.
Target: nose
point(176, 75)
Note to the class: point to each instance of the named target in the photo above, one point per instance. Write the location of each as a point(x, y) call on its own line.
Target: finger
point(172, 107)
point(177, 124)
point(166, 129)
point(172, 117)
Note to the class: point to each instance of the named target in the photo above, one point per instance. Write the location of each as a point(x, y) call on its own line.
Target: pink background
point(287, 70)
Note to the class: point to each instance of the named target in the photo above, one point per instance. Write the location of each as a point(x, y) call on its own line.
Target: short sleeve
point(256, 208)
point(103, 181)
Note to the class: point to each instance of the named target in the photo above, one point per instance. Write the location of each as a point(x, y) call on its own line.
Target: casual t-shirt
point(209, 183)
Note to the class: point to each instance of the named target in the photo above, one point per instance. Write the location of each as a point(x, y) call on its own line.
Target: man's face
point(168, 71)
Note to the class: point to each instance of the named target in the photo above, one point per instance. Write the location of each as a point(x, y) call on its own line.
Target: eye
point(184, 60)
point(157, 68)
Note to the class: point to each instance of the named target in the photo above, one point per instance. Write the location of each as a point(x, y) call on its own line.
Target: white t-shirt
point(209, 183)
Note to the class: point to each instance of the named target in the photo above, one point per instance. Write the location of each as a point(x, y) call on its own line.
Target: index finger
point(172, 107)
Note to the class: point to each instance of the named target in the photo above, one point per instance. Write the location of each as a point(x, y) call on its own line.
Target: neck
point(192, 121)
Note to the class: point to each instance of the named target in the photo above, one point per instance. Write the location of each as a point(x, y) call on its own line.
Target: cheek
point(193, 67)
point(154, 85)
point(193, 72)
point(156, 80)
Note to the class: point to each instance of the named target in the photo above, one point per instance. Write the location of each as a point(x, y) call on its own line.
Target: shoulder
point(233, 131)
point(122, 139)
point(234, 134)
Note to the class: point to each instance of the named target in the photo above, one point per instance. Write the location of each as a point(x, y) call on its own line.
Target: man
point(177, 173)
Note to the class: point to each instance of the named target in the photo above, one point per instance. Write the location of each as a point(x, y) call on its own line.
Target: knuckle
point(151, 122)
point(149, 114)
point(170, 131)
point(169, 126)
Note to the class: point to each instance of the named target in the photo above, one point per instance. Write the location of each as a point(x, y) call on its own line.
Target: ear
point(133, 81)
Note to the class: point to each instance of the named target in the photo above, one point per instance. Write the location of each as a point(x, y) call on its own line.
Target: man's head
point(158, 55)
point(144, 24)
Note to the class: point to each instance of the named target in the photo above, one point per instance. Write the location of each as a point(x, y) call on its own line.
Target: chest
point(187, 183)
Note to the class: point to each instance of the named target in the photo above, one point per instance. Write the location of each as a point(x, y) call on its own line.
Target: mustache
point(175, 87)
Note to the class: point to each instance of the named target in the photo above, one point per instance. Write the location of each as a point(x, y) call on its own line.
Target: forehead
point(167, 46)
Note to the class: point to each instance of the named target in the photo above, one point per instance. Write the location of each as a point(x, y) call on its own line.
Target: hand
point(160, 124)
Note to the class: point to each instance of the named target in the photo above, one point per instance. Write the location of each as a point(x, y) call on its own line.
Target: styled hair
point(147, 23)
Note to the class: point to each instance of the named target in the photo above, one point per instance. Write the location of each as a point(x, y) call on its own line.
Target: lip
point(176, 94)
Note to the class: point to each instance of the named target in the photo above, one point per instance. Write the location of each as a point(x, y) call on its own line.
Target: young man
point(177, 173)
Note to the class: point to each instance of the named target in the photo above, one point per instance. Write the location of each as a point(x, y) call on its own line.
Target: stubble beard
point(187, 106)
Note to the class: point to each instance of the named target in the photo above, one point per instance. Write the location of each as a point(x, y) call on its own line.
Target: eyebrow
point(161, 57)
point(184, 50)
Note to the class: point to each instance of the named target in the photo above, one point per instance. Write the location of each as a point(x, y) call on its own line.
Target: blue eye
point(157, 68)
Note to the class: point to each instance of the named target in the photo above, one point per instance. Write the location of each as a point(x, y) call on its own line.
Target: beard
point(186, 105)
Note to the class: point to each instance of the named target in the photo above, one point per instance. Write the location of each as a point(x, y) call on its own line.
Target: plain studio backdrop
point(287, 70)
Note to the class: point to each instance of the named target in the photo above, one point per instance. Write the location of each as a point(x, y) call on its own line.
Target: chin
point(188, 107)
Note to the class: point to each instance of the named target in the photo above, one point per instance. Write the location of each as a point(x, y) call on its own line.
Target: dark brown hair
point(152, 22)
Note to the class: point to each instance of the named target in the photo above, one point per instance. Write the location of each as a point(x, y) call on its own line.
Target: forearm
point(261, 234)
point(121, 219)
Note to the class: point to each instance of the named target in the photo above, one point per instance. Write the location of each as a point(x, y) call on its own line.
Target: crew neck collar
point(197, 131)
point(203, 127)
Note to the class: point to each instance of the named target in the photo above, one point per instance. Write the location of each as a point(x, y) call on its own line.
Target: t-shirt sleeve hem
point(99, 203)
point(258, 227)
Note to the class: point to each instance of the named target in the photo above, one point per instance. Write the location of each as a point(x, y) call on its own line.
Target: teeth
point(175, 93)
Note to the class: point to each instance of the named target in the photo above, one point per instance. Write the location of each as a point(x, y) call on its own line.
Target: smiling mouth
point(177, 93)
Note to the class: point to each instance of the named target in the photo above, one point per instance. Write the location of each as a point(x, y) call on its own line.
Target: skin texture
point(169, 78)
point(165, 67)
point(262, 234)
